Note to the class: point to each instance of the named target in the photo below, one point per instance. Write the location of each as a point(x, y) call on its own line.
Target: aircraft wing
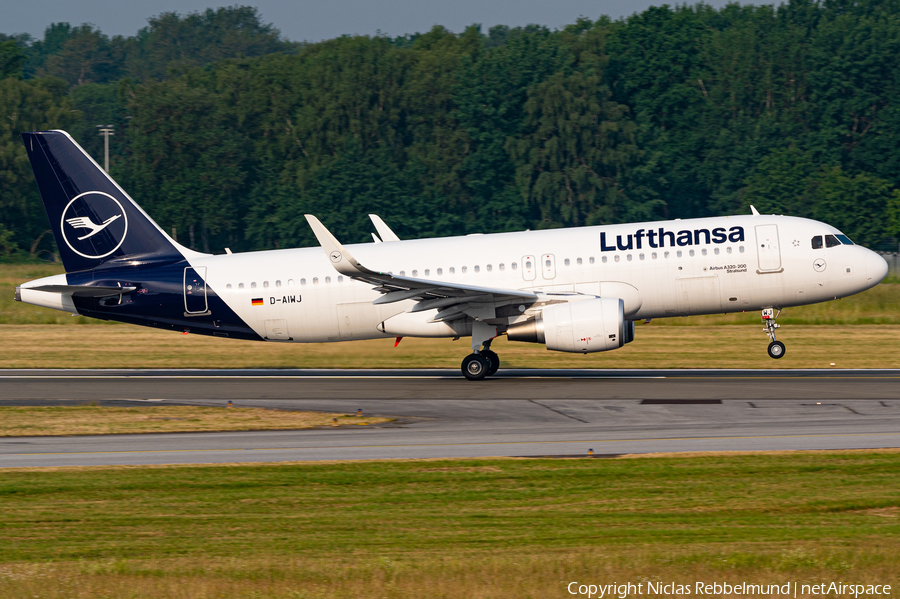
point(453, 300)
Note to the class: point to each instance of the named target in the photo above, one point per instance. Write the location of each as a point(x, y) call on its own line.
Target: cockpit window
point(817, 242)
point(844, 239)
point(831, 241)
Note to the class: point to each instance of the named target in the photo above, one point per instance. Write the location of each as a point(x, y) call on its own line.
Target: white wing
point(452, 300)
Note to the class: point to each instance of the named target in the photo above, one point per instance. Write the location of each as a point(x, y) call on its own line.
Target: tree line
point(227, 134)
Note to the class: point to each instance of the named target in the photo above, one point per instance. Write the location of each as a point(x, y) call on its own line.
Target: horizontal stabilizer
point(84, 290)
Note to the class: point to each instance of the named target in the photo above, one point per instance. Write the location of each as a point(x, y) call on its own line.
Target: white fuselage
point(305, 300)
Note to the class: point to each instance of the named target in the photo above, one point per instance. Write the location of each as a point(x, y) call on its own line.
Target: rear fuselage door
point(195, 291)
point(767, 248)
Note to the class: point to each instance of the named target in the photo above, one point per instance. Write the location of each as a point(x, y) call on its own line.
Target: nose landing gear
point(776, 348)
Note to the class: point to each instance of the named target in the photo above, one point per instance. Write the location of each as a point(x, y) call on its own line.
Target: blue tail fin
point(95, 222)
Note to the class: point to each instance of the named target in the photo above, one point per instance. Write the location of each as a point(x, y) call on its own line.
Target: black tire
point(494, 359)
point(776, 350)
point(475, 367)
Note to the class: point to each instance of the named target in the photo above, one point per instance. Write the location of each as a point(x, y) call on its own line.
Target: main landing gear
point(483, 362)
point(776, 348)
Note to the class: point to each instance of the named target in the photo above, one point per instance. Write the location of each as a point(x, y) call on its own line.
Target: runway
point(439, 414)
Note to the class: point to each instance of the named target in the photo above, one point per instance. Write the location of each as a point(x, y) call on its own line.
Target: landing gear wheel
point(475, 367)
point(494, 360)
point(776, 349)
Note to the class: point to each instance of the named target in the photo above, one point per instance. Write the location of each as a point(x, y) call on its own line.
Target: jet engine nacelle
point(581, 327)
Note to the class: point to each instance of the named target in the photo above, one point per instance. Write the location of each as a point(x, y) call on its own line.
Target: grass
point(124, 346)
point(449, 528)
point(96, 420)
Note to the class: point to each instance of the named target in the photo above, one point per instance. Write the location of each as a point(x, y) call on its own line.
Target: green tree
point(859, 205)
point(172, 43)
point(780, 184)
point(11, 59)
point(86, 57)
point(185, 162)
point(27, 106)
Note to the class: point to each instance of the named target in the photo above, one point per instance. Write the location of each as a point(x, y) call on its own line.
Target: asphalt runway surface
point(557, 413)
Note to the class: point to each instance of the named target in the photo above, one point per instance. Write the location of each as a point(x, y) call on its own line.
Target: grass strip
point(108, 420)
point(123, 346)
point(449, 528)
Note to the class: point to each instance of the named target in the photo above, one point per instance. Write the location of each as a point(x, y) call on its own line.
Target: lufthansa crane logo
point(336, 256)
point(94, 224)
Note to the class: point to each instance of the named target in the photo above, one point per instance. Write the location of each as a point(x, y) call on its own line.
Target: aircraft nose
point(876, 268)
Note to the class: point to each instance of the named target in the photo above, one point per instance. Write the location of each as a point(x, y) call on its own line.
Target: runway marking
point(338, 447)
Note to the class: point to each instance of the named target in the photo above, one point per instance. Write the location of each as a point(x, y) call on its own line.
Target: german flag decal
point(257, 301)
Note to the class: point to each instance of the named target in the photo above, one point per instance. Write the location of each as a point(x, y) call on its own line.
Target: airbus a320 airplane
point(574, 290)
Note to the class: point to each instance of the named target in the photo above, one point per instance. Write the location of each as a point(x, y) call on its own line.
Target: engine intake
point(579, 327)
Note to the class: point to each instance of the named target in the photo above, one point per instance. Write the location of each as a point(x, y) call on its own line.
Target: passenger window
point(340, 279)
point(477, 268)
point(427, 272)
point(566, 261)
point(328, 279)
point(291, 282)
point(240, 285)
point(844, 239)
point(489, 268)
point(502, 266)
point(591, 260)
point(831, 241)
point(628, 257)
point(716, 251)
point(452, 270)
point(641, 256)
point(302, 282)
point(604, 259)
point(253, 285)
point(440, 271)
point(402, 273)
point(278, 283)
point(528, 264)
point(514, 266)
point(691, 253)
point(665, 254)
point(817, 242)
point(315, 280)
point(228, 286)
point(265, 284)
point(616, 258)
point(415, 273)
point(578, 261)
point(703, 252)
point(741, 249)
point(653, 255)
point(678, 253)
point(728, 250)
point(464, 269)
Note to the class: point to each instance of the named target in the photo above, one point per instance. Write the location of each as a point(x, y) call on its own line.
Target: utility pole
point(106, 131)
